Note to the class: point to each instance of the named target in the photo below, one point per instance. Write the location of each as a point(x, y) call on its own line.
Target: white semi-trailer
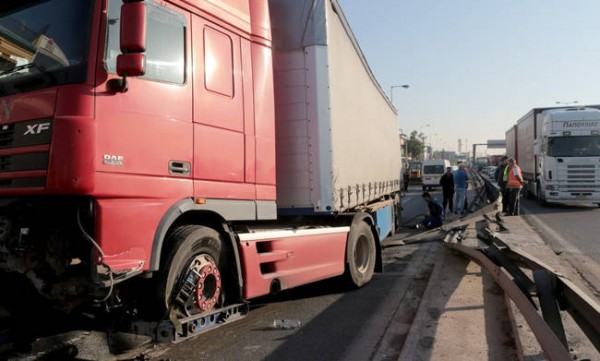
point(339, 143)
point(558, 150)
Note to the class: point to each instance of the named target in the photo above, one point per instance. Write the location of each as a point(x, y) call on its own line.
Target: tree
point(416, 145)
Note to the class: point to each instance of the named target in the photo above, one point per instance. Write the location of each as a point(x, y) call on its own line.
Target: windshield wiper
point(21, 67)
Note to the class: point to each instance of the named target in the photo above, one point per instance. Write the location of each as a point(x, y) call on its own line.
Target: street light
point(405, 86)
point(567, 103)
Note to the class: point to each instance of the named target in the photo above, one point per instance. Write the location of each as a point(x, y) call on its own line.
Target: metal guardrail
point(553, 291)
point(540, 299)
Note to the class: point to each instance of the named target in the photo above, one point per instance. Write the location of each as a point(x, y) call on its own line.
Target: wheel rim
point(209, 287)
point(199, 289)
point(361, 254)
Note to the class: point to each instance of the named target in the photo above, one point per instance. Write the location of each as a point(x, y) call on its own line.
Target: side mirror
point(132, 41)
point(133, 27)
point(131, 64)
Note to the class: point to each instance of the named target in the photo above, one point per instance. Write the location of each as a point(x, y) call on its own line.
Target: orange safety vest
point(513, 182)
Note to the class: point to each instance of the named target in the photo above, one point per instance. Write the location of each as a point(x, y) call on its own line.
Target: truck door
point(224, 142)
point(144, 136)
point(142, 131)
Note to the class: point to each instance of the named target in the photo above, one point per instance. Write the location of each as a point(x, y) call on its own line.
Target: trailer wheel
point(360, 255)
point(190, 281)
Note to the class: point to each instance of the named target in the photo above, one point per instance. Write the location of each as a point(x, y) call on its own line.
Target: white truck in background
point(558, 150)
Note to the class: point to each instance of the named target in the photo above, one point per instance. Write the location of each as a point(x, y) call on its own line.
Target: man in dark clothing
point(500, 176)
point(447, 183)
point(406, 178)
point(436, 212)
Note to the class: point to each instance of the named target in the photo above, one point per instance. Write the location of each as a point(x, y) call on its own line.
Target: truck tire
point(396, 214)
point(528, 192)
point(540, 196)
point(190, 281)
point(360, 255)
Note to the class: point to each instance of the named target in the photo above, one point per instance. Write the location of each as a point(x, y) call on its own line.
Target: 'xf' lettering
point(36, 128)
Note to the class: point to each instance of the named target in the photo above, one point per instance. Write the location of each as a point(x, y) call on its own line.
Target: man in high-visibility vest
point(514, 183)
point(501, 176)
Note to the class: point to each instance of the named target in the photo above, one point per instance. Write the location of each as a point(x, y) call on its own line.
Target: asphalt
point(462, 315)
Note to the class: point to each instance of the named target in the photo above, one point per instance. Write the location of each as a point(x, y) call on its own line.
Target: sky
point(476, 66)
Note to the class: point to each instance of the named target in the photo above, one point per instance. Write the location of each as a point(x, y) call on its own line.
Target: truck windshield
point(43, 43)
point(574, 146)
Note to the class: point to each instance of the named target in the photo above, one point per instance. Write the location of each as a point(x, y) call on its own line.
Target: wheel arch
point(365, 217)
point(185, 212)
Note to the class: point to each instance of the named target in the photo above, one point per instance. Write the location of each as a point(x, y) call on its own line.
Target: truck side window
point(218, 62)
point(165, 48)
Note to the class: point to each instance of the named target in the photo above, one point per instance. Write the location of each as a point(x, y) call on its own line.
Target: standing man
point(513, 185)
point(447, 183)
point(499, 175)
point(406, 177)
point(461, 179)
point(436, 212)
point(468, 179)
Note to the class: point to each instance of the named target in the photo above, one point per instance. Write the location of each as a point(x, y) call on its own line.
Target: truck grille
point(23, 162)
point(583, 178)
point(31, 182)
point(6, 135)
point(23, 134)
point(24, 153)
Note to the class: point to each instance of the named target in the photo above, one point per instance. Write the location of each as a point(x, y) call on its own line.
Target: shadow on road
point(533, 207)
point(356, 319)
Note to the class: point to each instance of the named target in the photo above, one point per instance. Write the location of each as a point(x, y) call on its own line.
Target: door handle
point(179, 167)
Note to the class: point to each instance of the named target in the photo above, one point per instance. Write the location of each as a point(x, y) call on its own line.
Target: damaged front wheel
point(191, 281)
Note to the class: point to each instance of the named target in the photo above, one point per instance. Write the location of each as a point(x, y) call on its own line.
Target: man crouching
point(436, 212)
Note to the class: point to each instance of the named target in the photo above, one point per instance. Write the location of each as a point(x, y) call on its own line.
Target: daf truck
point(558, 150)
point(182, 157)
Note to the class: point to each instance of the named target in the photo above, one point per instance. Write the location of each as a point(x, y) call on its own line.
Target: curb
point(412, 339)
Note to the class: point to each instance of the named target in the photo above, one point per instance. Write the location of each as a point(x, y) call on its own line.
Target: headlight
point(550, 187)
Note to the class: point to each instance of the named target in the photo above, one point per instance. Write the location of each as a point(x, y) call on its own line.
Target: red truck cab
point(137, 142)
point(85, 160)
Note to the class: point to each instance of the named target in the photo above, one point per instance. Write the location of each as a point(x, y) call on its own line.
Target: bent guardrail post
point(545, 284)
point(582, 308)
